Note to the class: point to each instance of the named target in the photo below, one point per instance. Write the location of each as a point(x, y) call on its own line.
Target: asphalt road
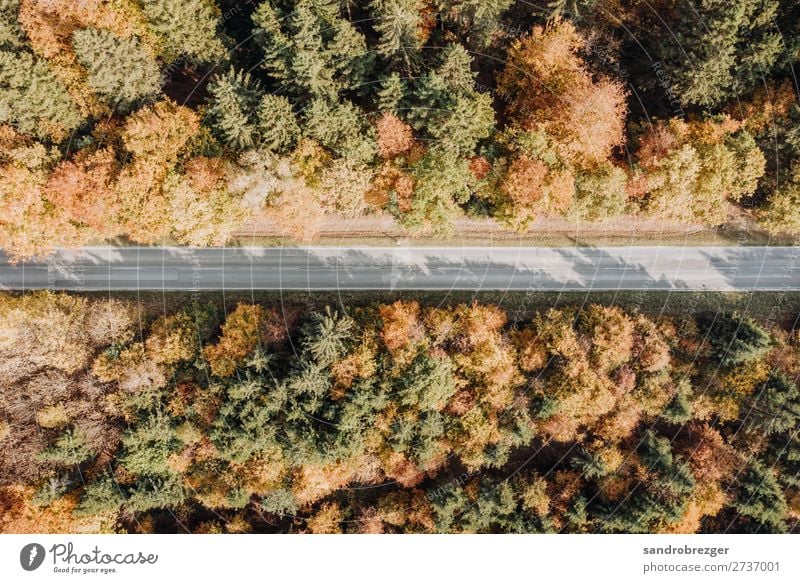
point(410, 268)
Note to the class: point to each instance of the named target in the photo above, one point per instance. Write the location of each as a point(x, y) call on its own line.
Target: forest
point(404, 416)
point(182, 121)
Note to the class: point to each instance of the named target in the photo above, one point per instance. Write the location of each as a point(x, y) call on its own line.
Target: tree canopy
point(404, 417)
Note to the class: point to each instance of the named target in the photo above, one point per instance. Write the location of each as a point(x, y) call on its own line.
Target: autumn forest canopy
point(183, 121)
point(398, 417)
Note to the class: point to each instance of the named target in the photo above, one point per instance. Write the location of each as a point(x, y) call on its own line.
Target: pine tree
point(277, 123)
point(310, 48)
point(69, 449)
point(760, 500)
point(399, 26)
point(148, 445)
point(719, 49)
point(100, 496)
point(325, 336)
point(446, 108)
point(341, 127)
point(784, 451)
point(119, 70)
point(734, 339)
point(774, 407)
point(245, 424)
point(571, 9)
point(279, 501)
point(679, 410)
point(32, 99)
point(233, 107)
point(186, 28)
point(442, 181)
point(391, 92)
point(164, 491)
point(660, 500)
point(590, 464)
point(427, 384)
point(10, 33)
point(474, 20)
point(469, 119)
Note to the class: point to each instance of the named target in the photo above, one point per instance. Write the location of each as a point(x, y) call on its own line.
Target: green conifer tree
point(32, 99)
point(119, 70)
point(186, 28)
point(233, 108)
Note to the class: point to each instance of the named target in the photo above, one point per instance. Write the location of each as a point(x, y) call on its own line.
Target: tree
point(155, 136)
point(734, 339)
point(570, 8)
point(476, 20)
point(784, 449)
point(49, 328)
point(110, 322)
point(157, 492)
point(549, 88)
point(395, 137)
point(240, 336)
point(277, 123)
point(324, 336)
point(83, 188)
point(245, 424)
point(692, 170)
point(32, 99)
point(662, 499)
point(445, 107)
point(679, 410)
point(391, 92)
point(612, 335)
point(523, 189)
point(202, 210)
point(760, 500)
point(10, 34)
point(148, 445)
point(279, 501)
point(103, 495)
point(341, 127)
point(402, 30)
point(343, 187)
point(717, 50)
point(233, 107)
point(590, 464)
point(326, 520)
point(782, 212)
point(28, 225)
point(69, 449)
point(296, 211)
point(427, 384)
point(119, 70)
point(400, 326)
point(172, 339)
point(600, 193)
point(186, 28)
point(468, 120)
point(159, 132)
point(774, 407)
point(310, 48)
point(441, 181)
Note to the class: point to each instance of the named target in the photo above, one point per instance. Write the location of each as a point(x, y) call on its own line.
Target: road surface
point(410, 268)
